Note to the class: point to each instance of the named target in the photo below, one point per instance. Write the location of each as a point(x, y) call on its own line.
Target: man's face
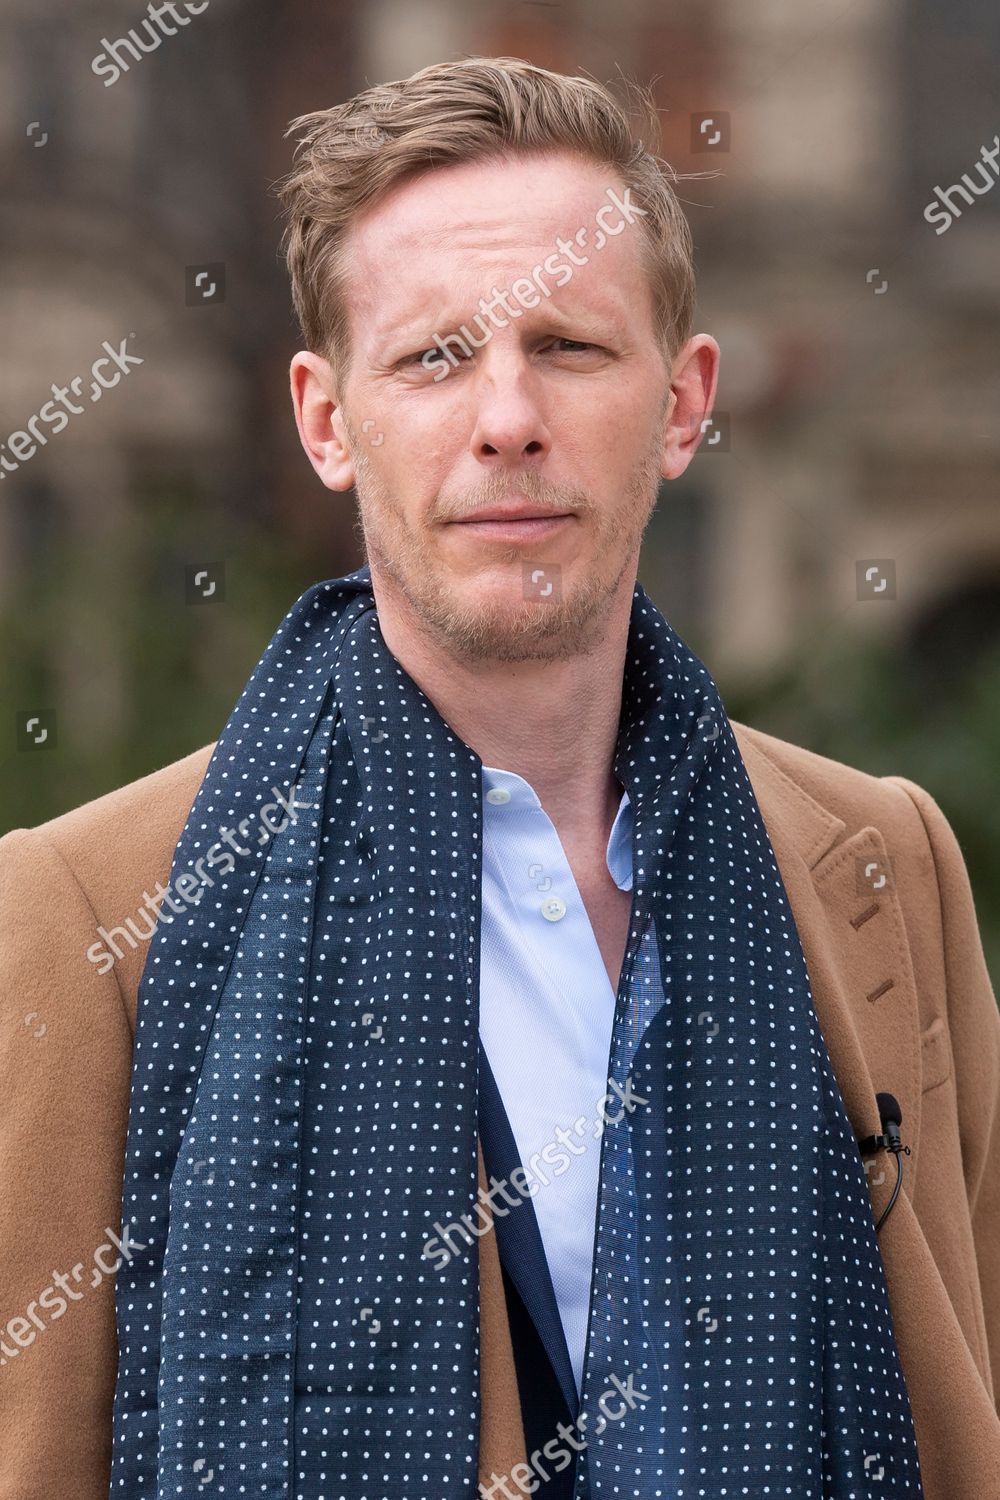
point(562, 414)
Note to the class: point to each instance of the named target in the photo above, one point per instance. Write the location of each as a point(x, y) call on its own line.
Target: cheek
point(618, 420)
point(606, 450)
point(422, 449)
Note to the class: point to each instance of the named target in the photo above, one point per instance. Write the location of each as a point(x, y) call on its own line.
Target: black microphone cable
point(891, 1117)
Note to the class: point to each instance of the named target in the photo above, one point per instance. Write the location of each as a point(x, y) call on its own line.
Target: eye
point(577, 346)
point(580, 345)
point(422, 354)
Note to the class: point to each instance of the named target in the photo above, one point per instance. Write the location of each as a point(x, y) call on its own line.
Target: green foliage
point(137, 676)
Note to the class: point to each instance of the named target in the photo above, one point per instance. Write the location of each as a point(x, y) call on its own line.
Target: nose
point(510, 427)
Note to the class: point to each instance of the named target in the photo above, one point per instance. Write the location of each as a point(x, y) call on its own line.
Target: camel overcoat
point(881, 898)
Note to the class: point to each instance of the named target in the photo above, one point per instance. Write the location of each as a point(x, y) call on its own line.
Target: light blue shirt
point(546, 1012)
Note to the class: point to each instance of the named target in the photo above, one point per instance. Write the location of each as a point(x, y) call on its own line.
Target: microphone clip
point(888, 1142)
point(890, 1118)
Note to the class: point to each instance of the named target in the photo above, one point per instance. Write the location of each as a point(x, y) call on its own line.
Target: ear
point(320, 420)
point(693, 379)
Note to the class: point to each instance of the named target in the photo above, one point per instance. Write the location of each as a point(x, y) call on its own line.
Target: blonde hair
point(351, 155)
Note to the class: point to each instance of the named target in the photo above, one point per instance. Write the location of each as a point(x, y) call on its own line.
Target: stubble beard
point(506, 629)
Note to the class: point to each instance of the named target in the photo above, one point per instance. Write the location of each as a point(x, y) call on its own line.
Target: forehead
point(453, 233)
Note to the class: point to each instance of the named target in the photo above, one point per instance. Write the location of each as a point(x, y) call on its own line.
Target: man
point(507, 1095)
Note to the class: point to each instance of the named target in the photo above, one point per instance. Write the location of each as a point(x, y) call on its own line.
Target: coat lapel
point(847, 911)
point(519, 1239)
point(501, 1431)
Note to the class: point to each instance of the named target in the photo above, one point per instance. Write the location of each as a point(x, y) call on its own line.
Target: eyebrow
point(414, 333)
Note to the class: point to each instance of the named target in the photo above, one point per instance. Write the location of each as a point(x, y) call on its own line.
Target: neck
point(553, 722)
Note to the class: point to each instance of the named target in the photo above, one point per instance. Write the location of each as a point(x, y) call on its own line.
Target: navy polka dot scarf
point(304, 1109)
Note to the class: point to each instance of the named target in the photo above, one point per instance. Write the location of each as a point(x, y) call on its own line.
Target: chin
point(492, 618)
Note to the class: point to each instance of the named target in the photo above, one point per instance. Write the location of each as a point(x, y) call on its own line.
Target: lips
point(521, 525)
point(512, 513)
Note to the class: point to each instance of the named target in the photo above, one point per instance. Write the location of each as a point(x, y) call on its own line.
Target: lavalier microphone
point(891, 1117)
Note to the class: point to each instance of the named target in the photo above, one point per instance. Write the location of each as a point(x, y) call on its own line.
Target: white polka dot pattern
point(303, 1110)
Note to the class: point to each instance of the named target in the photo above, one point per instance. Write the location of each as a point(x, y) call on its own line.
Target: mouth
point(514, 523)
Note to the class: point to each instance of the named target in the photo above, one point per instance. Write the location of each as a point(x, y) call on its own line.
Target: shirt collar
point(503, 790)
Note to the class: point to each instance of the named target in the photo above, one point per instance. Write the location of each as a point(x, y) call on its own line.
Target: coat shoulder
point(95, 863)
point(849, 792)
point(134, 822)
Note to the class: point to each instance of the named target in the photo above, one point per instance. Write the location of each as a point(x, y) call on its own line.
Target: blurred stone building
point(860, 379)
point(859, 385)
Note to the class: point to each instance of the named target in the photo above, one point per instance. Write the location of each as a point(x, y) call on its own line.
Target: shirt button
point(498, 794)
point(553, 908)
